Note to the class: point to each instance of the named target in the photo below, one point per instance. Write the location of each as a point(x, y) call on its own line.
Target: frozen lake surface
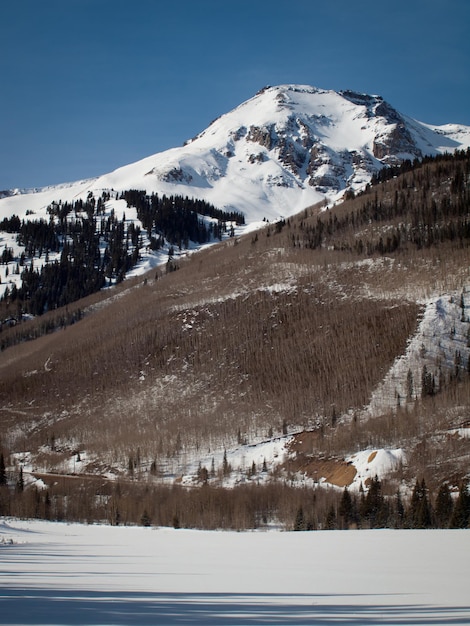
point(52, 573)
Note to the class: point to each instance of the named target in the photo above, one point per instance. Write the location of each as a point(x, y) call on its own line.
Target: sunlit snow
point(53, 573)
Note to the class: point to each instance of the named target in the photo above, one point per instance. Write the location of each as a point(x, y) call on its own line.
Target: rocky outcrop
point(176, 174)
point(398, 141)
point(262, 135)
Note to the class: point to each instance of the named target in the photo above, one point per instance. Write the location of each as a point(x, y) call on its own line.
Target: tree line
point(430, 205)
point(375, 510)
point(246, 506)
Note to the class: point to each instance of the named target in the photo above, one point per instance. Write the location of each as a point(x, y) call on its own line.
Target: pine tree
point(299, 520)
point(443, 506)
point(373, 507)
point(145, 519)
point(461, 514)
point(20, 481)
point(346, 508)
point(330, 522)
point(226, 468)
point(47, 505)
point(409, 385)
point(202, 474)
point(334, 417)
point(399, 512)
point(428, 383)
point(420, 510)
point(3, 473)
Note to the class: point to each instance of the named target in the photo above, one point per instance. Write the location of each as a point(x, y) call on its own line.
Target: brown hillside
point(261, 334)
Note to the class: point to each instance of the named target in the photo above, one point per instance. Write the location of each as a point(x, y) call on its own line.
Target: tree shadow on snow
point(54, 607)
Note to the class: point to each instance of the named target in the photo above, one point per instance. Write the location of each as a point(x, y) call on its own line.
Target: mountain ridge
point(287, 147)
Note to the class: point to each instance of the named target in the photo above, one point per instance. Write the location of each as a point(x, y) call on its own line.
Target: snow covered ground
point(53, 573)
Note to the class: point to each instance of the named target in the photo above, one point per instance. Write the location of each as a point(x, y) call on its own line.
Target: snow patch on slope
point(374, 463)
point(441, 345)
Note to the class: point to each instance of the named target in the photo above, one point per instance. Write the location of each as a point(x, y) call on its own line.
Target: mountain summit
point(286, 148)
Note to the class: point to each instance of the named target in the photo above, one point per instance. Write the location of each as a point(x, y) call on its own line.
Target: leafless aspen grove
point(346, 328)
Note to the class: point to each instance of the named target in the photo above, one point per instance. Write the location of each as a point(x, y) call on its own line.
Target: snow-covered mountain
point(284, 149)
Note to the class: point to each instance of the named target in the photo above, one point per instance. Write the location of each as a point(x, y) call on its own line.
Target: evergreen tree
point(202, 474)
point(420, 510)
point(374, 508)
point(428, 383)
point(226, 468)
point(409, 385)
point(330, 522)
point(299, 519)
point(47, 505)
point(20, 481)
point(461, 514)
point(346, 508)
point(3, 473)
point(145, 519)
point(443, 506)
point(399, 512)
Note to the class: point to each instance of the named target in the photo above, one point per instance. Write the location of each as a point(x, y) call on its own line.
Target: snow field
point(54, 573)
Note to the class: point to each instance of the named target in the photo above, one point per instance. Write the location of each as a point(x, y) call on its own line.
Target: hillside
point(323, 349)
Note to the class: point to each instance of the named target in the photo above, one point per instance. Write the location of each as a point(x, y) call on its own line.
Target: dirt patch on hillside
point(303, 460)
point(372, 456)
point(305, 442)
point(335, 472)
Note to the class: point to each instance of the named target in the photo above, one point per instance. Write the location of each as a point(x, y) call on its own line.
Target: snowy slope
point(440, 345)
point(284, 149)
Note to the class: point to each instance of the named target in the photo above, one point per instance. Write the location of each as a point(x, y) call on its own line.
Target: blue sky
point(90, 85)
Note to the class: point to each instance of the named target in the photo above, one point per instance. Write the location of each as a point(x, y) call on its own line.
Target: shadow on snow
point(53, 607)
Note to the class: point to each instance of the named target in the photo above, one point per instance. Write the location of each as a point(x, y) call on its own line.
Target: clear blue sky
point(90, 85)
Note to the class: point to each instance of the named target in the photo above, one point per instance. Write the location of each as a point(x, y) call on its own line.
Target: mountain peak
point(287, 147)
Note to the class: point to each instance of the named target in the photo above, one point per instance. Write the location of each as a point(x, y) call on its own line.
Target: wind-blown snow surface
point(72, 574)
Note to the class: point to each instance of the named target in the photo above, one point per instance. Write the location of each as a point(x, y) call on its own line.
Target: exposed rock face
point(398, 141)
point(395, 139)
point(262, 135)
point(301, 146)
point(176, 174)
point(291, 154)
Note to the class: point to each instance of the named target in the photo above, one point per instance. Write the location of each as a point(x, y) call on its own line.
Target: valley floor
point(56, 573)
